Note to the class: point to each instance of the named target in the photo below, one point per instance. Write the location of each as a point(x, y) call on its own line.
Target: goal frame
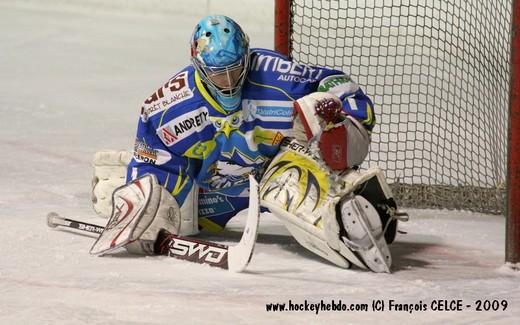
point(513, 161)
point(282, 44)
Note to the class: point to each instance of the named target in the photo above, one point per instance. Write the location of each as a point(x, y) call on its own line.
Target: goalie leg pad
point(371, 184)
point(363, 233)
point(308, 235)
point(141, 209)
point(300, 190)
point(109, 173)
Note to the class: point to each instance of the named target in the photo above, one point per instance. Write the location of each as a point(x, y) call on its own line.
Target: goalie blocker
point(140, 210)
point(345, 217)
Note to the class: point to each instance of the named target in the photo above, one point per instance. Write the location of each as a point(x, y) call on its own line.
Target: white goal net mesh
point(438, 73)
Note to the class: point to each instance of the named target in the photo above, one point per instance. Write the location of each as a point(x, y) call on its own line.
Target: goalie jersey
point(186, 139)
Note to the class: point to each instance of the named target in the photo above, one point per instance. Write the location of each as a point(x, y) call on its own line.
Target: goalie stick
point(54, 220)
point(234, 258)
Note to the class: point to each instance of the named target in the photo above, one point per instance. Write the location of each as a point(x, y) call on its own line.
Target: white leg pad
point(308, 235)
point(109, 173)
point(364, 234)
point(320, 209)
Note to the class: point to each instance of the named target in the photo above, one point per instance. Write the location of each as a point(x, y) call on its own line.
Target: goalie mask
point(220, 54)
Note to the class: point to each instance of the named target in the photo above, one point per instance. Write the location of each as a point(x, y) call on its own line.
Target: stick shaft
point(54, 220)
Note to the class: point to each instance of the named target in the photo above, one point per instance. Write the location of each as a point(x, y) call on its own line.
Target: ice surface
point(72, 76)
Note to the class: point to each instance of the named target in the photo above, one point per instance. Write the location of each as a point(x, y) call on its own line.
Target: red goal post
point(513, 166)
point(445, 79)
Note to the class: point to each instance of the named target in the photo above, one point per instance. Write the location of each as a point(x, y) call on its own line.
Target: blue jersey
point(185, 138)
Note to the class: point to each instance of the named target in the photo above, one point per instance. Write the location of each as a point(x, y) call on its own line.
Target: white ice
point(72, 76)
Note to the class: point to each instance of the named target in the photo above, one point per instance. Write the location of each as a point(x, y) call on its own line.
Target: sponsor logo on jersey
point(291, 78)
point(338, 85)
point(274, 111)
point(289, 71)
point(174, 91)
point(268, 110)
point(147, 111)
point(333, 81)
point(184, 126)
point(211, 204)
point(146, 154)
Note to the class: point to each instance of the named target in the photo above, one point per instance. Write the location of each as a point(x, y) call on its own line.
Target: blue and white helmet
point(220, 54)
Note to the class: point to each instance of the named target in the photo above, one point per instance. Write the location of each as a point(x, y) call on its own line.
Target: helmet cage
point(213, 76)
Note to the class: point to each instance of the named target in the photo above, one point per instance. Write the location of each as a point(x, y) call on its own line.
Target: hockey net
point(438, 72)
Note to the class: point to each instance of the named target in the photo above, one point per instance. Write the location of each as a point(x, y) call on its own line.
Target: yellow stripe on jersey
point(180, 183)
point(162, 116)
point(370, 116)
point(272, 87)
point(207, 224)
point(266, 136)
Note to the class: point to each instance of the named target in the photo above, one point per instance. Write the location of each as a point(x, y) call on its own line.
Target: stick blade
point(240, 254)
